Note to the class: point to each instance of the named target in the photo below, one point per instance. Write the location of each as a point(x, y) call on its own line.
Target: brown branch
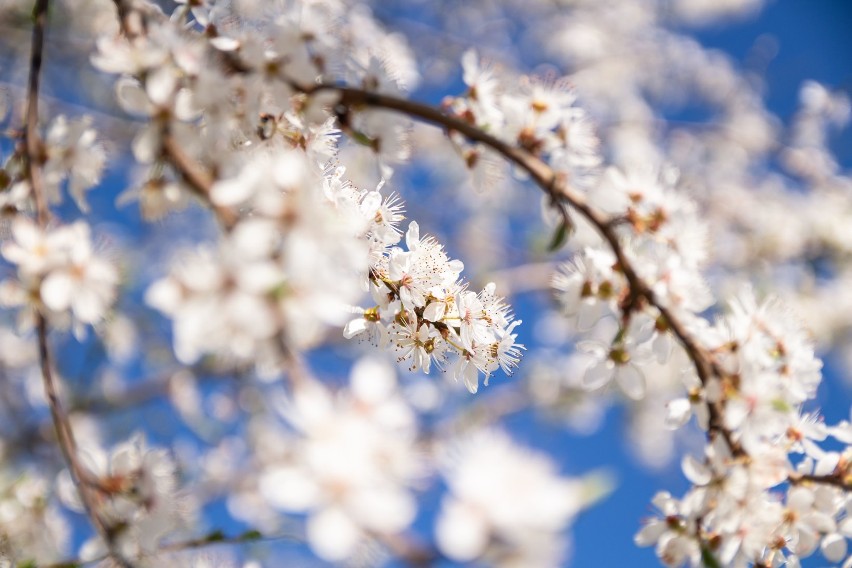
point(197, 178)
point(34, 159)
point(213, 539)
point(562, 195)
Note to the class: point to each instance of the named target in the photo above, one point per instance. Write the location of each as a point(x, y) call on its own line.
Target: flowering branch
point(33, 159)
point(562, 196)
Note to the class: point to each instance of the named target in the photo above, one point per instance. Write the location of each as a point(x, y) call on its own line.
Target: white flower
point(502, 495)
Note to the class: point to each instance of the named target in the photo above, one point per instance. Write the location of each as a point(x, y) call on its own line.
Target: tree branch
point(34, 158)
point(563, 196)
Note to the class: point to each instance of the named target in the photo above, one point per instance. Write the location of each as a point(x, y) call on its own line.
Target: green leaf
point(251, 535)
point(560, 235)
point(708, 559)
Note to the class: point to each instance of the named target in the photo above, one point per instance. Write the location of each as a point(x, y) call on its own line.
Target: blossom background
point(785, 43)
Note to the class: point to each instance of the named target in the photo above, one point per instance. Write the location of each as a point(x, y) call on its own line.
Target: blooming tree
point(270, 229)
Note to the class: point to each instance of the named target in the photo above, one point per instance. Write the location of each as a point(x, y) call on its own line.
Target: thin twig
point(34, 159)
point(213, 539)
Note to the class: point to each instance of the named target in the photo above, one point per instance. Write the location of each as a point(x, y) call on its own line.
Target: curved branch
point(34, 158)
point(563, 196)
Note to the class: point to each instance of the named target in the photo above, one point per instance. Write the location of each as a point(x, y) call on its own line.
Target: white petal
point(160, 85)
point(146, 145)
point(678, 412)
point(833, 547)
point(332, 535)
point(650, 533)
point(631, 380)
point(695, 471)
point(354, 327)
point(57, 291)
point(289, 489)
point(132, 97)
point(461, 534)
point(598, 375)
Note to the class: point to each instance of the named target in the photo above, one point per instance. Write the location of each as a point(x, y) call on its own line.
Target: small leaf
point(708, 559)
point(251, 535)
point(215, 536)
point(560, 236)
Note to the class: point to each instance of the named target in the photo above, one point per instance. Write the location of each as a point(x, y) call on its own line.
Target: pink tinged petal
point(833, 547)
point(631, 380)
point(695, 471)
point(332, 535)
point(678, 412)
point(598, 375)
point(461, 533)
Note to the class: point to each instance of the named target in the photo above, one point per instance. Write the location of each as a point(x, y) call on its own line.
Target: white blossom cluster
point(139, 499)
point(280, 275)
point(750, 374)
point(538, 114)
point(72, 154)
point(58, 271)
point(350, 462)
point(32, 526)
point(267, 113)
point(757, 495)
point(427, 314)
point(512, 517)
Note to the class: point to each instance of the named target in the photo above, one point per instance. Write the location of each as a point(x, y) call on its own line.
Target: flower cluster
point(59, 273)
point(72, 153)
point(349, 461)
point(738, 506)
point(537, 114)
point(426, 314)
point(281, 274)
point(514, 515)
point(139, 498)
point(31, 526)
